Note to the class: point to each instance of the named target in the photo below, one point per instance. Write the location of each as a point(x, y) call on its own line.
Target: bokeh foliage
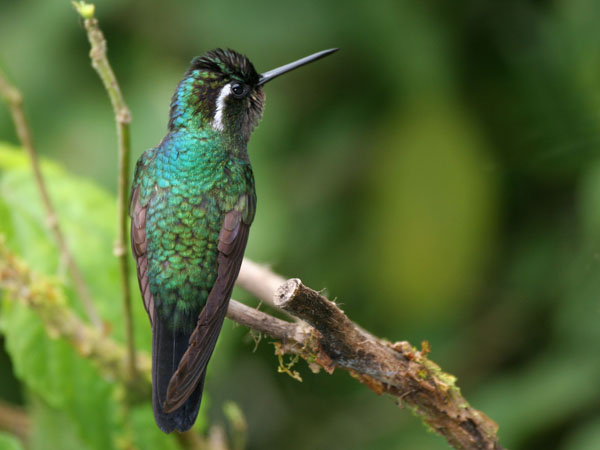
point(440, 175)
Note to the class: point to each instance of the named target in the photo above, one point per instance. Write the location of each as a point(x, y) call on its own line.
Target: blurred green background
point(439, 176)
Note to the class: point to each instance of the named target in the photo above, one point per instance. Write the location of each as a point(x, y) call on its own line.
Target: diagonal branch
point(396, 369)
point(328, 339)
point(14, 100)
point(123, 118)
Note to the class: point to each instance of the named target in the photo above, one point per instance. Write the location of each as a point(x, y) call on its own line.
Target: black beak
point(268, 76)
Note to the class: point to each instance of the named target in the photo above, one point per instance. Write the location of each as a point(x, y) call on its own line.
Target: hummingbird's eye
point(238, 90)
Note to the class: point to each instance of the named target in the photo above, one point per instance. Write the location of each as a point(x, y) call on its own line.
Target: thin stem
point(13, 98)
point(123, 118)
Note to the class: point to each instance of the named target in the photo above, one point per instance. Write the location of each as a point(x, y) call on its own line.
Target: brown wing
point(232, 243)
point(138, 245)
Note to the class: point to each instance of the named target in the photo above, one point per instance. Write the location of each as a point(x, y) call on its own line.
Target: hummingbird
point(192, 203)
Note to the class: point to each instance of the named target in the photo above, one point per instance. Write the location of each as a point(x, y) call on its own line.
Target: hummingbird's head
point(222, 90)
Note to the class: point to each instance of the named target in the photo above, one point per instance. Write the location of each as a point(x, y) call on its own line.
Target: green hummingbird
point(192, 204)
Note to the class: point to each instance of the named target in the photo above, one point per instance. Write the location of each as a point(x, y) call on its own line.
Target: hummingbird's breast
point(193, 190)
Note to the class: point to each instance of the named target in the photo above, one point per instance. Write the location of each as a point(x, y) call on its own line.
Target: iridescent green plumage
point(188, 189)
point(192, 204)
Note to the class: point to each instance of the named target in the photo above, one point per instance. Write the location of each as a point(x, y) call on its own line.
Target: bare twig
point(14, 100)
point(265, 323)
point(14, 420)
point(123, 118)
point(397, 369)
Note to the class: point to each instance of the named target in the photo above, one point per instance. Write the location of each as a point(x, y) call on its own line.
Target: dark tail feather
point(167, 349)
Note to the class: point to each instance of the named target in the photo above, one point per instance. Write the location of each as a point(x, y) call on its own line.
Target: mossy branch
point(397, 369)
point(327, 339)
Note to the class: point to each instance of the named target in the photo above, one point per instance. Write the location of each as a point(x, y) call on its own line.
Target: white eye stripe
point(220, 107)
